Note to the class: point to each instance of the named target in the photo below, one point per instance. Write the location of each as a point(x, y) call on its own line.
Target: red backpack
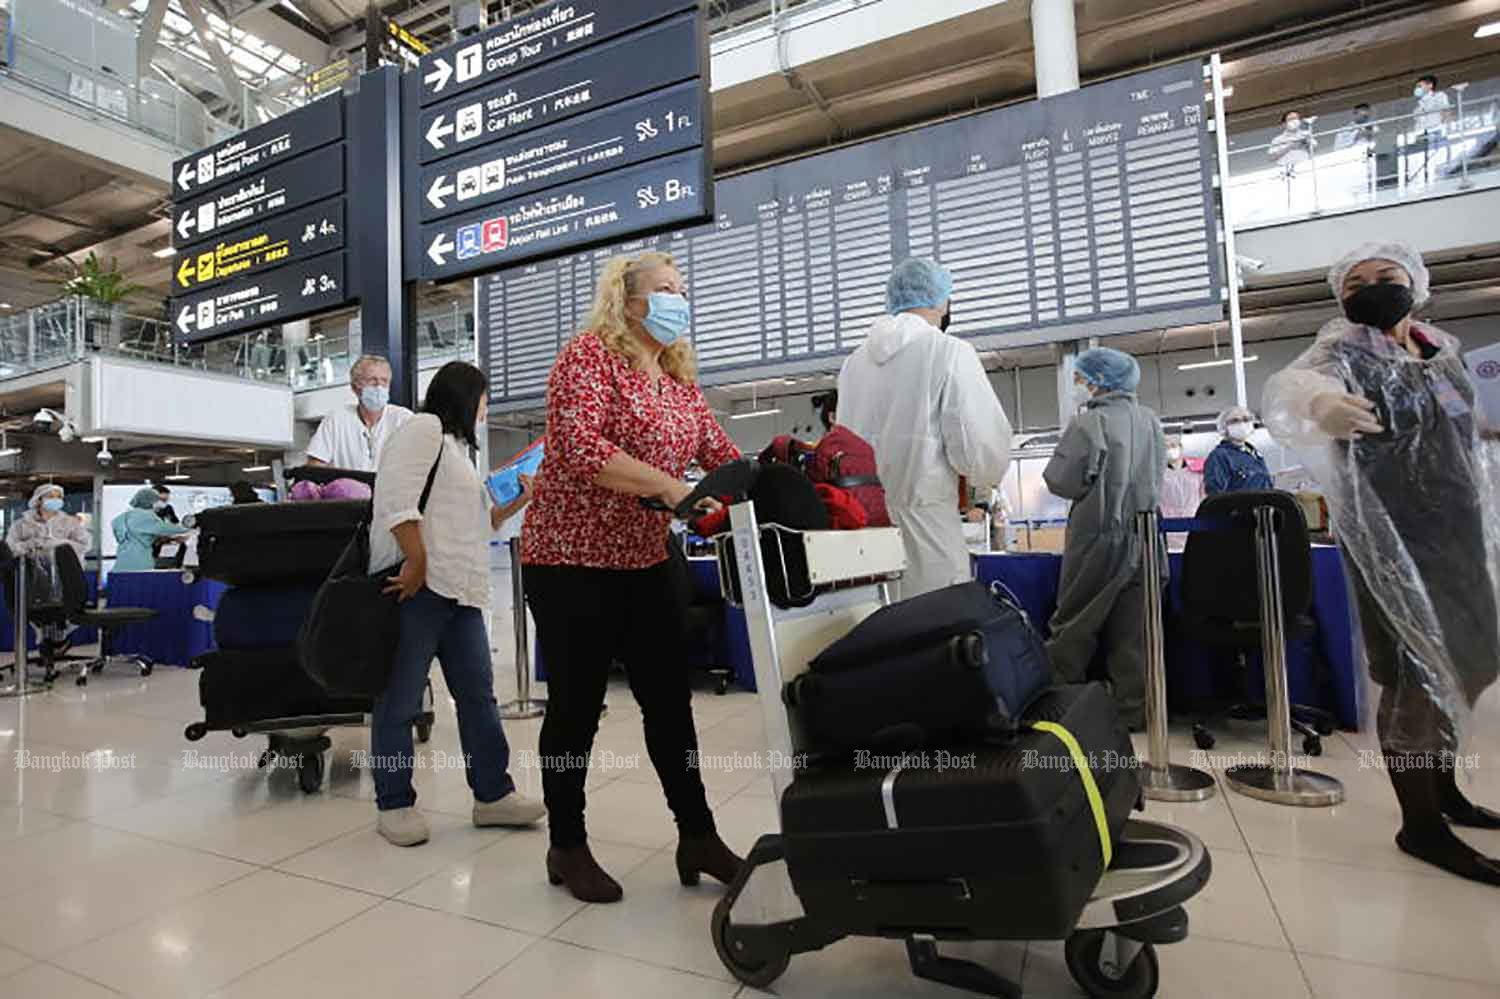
point(842, 459)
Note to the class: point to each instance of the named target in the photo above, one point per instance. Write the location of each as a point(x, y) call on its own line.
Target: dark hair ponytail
point(453, 397)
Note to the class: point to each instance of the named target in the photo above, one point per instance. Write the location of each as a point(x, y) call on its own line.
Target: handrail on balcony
point(1306, 171)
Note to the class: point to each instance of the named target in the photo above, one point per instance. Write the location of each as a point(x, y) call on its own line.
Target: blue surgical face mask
point(52, 504)
point(374, 397)
point(1419, 91)
point(668, 317)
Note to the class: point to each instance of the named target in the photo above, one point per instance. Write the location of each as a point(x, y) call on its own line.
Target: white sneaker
point(403, 826)
point(515, 809)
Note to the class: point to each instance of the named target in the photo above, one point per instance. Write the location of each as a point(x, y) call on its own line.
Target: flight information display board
point(1086, 214)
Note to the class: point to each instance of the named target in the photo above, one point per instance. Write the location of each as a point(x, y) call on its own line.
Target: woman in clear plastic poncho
point(1382, 412)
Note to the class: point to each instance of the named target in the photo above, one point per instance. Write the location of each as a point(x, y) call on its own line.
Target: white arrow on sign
point(440, 248)
point(437, 194)
point(437, 131)
point(185, 319)
point(185, 225)
point(438, 78)
point(187, 176)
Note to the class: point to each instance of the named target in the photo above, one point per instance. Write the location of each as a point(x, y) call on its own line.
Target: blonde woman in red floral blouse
point(625, 416)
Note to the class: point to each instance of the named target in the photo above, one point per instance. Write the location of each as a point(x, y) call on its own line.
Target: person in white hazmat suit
point(1109, 464)
point(922, 400)
point(1381, 410)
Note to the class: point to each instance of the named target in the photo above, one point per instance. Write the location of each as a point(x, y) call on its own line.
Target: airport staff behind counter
point(353, 436)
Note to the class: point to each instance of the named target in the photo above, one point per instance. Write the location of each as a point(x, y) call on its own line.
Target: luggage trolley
point(761, 920)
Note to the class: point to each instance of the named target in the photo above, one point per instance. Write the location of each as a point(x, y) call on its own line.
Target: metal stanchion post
point(524, 706)
point(1280, 782)
point(22, 686)
point(1161, 780)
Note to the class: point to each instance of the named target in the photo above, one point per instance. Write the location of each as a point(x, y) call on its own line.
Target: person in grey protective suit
point(1109, 464)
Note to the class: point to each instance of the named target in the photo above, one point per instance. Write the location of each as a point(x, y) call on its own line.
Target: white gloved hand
point(1343, 416)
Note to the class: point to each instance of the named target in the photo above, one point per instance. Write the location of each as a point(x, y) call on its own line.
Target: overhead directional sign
point(255, 248)
point(580, 83)
point(277, 296)
point(281, 188)
point(655, 195)
point(292, 134)
point(617, 136)
point(539, 36)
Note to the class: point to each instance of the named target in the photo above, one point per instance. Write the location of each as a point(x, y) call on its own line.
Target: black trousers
point(585, 620)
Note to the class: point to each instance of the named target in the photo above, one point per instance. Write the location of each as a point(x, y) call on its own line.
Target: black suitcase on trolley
point(978, 842)
point(953, 666)
point(238, 686)
point(259, 543)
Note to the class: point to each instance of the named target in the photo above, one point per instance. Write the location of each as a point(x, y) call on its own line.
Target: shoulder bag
point(348, 641)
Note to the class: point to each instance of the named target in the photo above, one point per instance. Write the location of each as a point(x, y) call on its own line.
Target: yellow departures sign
point(225, 260)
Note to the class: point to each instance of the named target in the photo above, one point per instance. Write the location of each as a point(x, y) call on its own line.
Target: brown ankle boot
point(706, 855)
point(586, 880)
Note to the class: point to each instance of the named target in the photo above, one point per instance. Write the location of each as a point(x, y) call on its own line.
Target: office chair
point(106, 619)
point(1221, 599)
point(45, 612)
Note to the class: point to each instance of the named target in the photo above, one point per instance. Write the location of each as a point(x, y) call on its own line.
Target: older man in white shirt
point(353, 436)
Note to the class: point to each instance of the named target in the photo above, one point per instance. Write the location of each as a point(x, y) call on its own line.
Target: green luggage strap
point(1096, 800)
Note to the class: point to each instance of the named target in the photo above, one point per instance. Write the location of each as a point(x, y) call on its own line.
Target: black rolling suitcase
point(259, 543)
point(979, 842)
point(949, 667)
point(241, 686)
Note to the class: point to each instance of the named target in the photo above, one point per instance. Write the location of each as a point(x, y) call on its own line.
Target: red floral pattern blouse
point(597, 405)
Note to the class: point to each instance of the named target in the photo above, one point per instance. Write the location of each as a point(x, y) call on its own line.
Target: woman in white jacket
point(924, 403)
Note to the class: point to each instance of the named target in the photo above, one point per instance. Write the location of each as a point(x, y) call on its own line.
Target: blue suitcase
point(262, 617)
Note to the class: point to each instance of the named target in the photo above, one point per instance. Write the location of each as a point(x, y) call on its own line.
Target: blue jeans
point(435, 626)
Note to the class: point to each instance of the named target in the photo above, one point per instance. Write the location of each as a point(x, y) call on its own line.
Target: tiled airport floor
point(166, 879)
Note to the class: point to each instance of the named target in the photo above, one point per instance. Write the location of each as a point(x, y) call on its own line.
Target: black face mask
point(1379, 305)
point(947, 318)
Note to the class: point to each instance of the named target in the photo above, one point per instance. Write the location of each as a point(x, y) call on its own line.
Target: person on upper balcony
point(353, 437)
point(1294, 144)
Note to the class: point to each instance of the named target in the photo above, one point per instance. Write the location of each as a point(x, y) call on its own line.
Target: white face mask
point(1081, 394)
point(1241, 430)
point(1174, 454)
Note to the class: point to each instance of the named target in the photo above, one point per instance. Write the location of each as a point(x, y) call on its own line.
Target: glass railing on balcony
point(1320, 167)
point(94, 70)
point(69, 330)
point(443, 335)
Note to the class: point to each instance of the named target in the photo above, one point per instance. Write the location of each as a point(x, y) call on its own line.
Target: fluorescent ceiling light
point(94, 440)
point(4, 305)
point(1214, 364)
point(165, 251)
point(256, 468)
point(753, 412)
point(179, 477)
point(1486, 30)
point(9, 452)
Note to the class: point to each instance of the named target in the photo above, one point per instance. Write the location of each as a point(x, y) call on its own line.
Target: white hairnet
point(1398, 253)
point(1109, 369)
point(43, 491)
point(1231, 413)
point(917, 283)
